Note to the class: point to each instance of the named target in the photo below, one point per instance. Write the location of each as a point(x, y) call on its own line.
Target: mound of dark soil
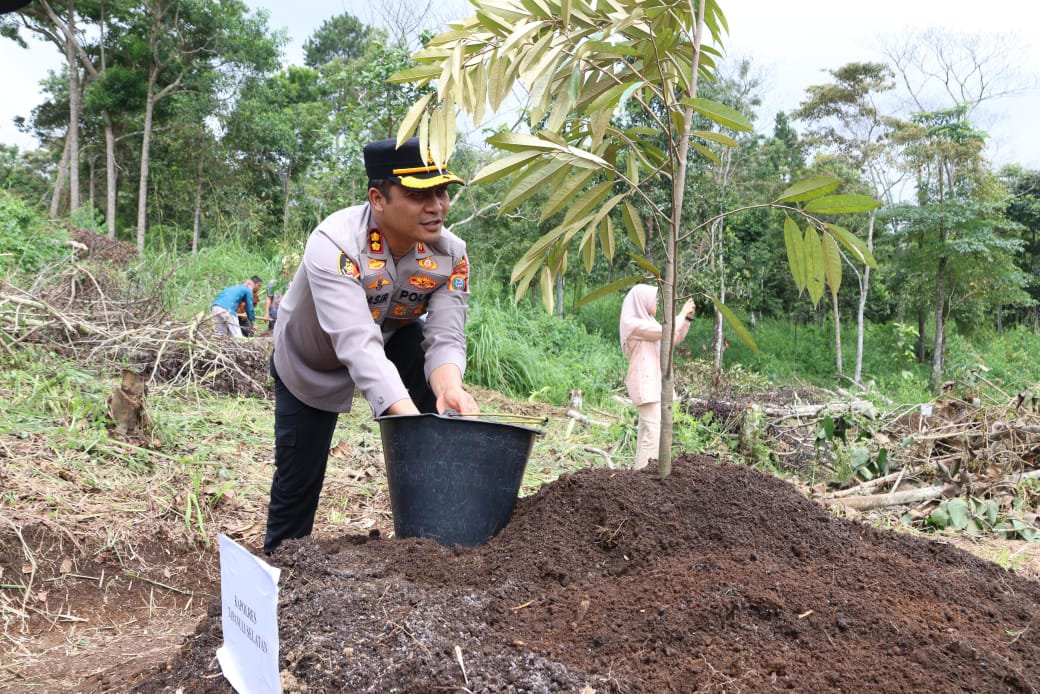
point(718, 578)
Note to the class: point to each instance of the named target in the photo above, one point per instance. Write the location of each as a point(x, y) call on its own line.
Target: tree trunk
point(938, 356)
point(146, 138)
point(286, 191)
point(560, 286)
point(922, 323)
point(838, 359)
point(74, 112)
point(718, 337)
point(59, 180)
point(861, 308)
point(196, 223)
point(90, 182)
point(110, 176)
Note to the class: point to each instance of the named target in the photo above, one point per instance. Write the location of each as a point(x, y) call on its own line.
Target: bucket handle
point(501, 418)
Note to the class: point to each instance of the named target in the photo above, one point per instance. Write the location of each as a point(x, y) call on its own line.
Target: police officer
point(379, 303)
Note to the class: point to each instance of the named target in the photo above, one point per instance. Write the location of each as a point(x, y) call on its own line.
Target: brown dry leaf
point(340, 450)
point(66, 565)
point(42, 596)
point(27, 568)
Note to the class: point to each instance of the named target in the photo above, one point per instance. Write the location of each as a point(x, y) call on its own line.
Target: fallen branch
point(793, 412)
point(905, 498)
point(868, 486)
point(574, 414)
point(599, 451)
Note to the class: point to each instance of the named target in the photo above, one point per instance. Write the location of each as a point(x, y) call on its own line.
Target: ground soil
point(715, 579)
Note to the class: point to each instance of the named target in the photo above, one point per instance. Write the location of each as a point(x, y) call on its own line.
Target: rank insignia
point(374, 264)
point(375, 241)
point(419, 247)
point(347, 266)
point(376, 313)
point(422, 282)
point(427, 263)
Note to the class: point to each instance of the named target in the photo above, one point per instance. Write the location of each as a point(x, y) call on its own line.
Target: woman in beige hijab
point(641, 345)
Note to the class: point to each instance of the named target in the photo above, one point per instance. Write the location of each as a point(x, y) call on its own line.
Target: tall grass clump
point(28, 243)
point(193, 281)
point(520, 350)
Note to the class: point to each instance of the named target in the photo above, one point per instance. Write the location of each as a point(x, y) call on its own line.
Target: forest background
point(195, 143)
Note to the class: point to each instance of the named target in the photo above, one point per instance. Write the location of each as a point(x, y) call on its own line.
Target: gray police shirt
point(349, 296)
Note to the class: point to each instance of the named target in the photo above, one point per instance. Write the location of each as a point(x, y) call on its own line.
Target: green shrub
point(27, 242)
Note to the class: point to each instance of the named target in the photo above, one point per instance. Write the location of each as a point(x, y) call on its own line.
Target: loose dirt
point(716, 579)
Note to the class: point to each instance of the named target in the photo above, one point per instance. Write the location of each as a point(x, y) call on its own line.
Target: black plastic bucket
point(453, 479)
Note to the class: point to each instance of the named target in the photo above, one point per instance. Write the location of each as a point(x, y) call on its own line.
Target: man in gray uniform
point(379, 303)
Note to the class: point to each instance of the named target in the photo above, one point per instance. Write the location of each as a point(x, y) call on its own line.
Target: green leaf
point(504, 166)
point(411, 119)
point(607, 290)
point(796, 260)
point(959, 513)
point(940, 517)
point(533, 255)
point(809, 189)
point(565, 193)
point(421, 74)
point(606, 237)
point(831, 263)
point(842, 204)
point(814, 265)
point(715, 137)
point(634, 225)
point(518, 142)
point(735, 323)
point(547, 290)
point(720, 113)
point(588, 201)
point(588, 250)
point(529, 183)
point(708, 154)
point(852, 242)
point(645, 264)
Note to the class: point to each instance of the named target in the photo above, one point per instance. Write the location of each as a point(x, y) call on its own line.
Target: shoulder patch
point(347, 266)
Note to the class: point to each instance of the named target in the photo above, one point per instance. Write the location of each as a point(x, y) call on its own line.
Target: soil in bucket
point(453, 479)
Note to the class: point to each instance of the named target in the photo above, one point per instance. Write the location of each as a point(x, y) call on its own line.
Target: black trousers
point(303, 435)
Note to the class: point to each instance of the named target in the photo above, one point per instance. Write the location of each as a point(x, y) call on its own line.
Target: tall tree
point(579, 64)
point(343, 37)
point(948, 79)
point(58, 24)
point(847, 121)
point(177, 39)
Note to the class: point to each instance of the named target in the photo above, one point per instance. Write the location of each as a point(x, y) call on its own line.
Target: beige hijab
point(638, 309)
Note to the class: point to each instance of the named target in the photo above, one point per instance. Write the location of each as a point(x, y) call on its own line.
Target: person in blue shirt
point(225, 308)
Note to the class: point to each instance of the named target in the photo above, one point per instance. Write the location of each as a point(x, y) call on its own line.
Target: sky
point(791, 45)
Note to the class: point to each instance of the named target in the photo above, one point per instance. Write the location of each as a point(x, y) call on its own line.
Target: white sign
point(249, 619)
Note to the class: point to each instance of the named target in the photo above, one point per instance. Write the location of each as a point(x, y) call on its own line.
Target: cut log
point(910, 496)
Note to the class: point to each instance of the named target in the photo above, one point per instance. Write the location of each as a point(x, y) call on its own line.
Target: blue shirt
point(231, 297)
